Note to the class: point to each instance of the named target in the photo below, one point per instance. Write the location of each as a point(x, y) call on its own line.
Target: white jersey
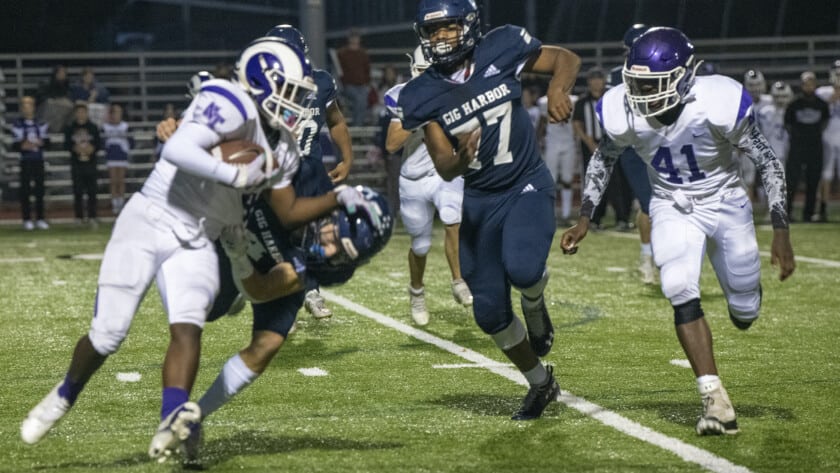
point(831, 134)
point(695, 154)
point(225, 109)
point(417, 163)
point(771, 122)
point(562, 133)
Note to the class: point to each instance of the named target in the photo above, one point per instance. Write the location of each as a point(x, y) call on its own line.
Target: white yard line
point(683, 450)
point(36, 259)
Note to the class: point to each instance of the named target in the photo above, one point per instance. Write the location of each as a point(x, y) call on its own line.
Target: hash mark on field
point(471, 365)
point(36, 259)
point(687, 452)
point(312, 372)
point(129, 377)
point(681, 363)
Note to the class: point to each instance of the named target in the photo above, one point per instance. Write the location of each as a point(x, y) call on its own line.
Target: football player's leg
point(636, 172)
point(733, 251)
point(449, 200)
point(417, 213)
point(229, 294)
point(272, 322)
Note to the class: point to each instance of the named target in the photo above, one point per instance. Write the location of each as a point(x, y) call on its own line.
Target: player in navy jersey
point(469, 104)
point(312, 179)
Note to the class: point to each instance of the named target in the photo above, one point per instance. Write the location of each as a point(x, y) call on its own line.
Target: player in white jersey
point(830, 94)
point(422, 190)
point(560, 155)
point(756, 86)
point(685, 129)
point(771, 120)
point(165, 231)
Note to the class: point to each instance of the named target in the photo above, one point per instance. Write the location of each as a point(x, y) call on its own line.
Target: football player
point(468, 103)
point(830, 94)
point(312, 178)
point(685, 129)
point(421, 192)
point(165, 231)
point(268, 264)
point(756, 87)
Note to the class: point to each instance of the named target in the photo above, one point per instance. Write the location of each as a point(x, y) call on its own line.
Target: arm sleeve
point(754, 145)
point(187, 149)
point(598, 174)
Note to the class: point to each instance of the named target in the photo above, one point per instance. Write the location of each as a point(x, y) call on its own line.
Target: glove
point(250, 177)
point(354, 201)
point(235, 242)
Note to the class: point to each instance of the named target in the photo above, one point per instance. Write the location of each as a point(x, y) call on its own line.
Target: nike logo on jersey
point(495, 94)
point(491, 71)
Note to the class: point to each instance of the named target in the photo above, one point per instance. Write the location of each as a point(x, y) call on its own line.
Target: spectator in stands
point(53, 97)
point(390, 78)
point(81, 139)
point(587, 128)
point(805, 119)
point(355, 76)
point(117, 143)
point(29, 137)
point(95, 94)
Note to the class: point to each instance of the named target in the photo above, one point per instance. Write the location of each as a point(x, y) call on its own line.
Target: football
point(237, 151)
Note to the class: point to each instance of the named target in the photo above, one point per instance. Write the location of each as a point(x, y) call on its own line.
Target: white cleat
point(417, 300)
point(315, 305)
point(44, 416)
point(461, 292)
point(647, 271)
point(718, 414)
point(174, 430)
point(42, 225)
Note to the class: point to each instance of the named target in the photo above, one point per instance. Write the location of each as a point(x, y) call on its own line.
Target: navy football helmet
point(279, 78)
point(633, 33)
point(432, 14)
point(291, 36)
point(337, 244)
point(659, 71)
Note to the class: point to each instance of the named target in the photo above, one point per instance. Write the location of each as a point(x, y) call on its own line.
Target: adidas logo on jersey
point(491, 71)
point(528, 188)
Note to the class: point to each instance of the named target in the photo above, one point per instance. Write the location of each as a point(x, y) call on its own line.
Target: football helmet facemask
point(279, 78)
point(435, 14)
point(659, 71)
point(338, 243)
point(418, 62)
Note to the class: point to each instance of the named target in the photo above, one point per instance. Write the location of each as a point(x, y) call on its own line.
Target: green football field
point(366, 391)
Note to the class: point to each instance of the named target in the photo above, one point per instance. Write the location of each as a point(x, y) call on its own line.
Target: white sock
point(235, 377)
point(565, 202)
point(646, 249)
point(708, 383)
point(537, 375)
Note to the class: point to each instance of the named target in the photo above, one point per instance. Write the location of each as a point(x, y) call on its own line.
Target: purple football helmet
point(432, 14)
point(659, 71)
point(279, 78)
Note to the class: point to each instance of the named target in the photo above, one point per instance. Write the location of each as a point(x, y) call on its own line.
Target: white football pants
point(418, 200)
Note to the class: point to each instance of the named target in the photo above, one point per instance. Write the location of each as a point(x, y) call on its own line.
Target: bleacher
point(144, 82)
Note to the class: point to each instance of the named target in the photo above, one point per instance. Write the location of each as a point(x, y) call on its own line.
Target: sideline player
point(468, 103)
point(422, 190)
point(830, 94)
point(685, 129)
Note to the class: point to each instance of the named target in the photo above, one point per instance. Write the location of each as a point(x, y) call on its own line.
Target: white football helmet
point(279, 78)
point(754, 83)
point(418, 61)
point(782, 94)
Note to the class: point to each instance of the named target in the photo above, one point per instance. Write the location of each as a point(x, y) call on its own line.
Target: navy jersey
point(270, 242)
point(316, 116)
point(489, 98)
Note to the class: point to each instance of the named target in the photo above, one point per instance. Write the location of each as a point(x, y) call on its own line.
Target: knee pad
point(450, 214)
point(510, 336)
point(688, 312)
point(421, 245)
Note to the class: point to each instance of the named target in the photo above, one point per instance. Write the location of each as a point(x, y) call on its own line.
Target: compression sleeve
point(754, 145)
point(598, 174)
point(187, 149)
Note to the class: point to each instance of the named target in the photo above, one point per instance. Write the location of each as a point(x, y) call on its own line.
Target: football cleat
point(42, 225)
point(44, 416)
point(718, 414)
point(647, 271)
point(191, 447)
point(417, 300)
point(173, 430)
point(315, 305)
point(540, 329)
point(538, 398)
point(461, 292)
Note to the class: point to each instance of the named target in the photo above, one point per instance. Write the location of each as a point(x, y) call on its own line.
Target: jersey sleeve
point(288, 159)
point(219, 109)
point(730, 107)
point(392, 97)
point(408, 107)
point(516, 43)
point(326, 87)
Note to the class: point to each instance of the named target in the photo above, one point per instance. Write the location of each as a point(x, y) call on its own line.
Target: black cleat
point(538, 398)
point(540, 330)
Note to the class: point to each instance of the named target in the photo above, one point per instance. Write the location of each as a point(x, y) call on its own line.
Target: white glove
point(250, 177)
point(235, 241)
point(354, 201)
